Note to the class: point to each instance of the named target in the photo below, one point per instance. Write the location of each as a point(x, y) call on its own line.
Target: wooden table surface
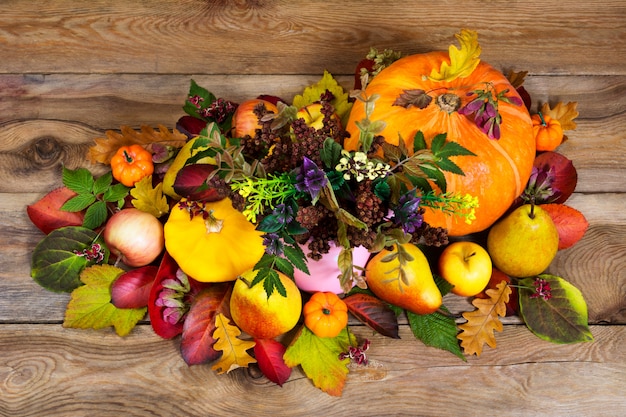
point(71, 70)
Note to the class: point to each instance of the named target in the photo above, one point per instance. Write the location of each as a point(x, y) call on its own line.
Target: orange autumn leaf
point(516, 78)
point(105, 148)
point(564, 113)
point(570, 223)
point(481, 323)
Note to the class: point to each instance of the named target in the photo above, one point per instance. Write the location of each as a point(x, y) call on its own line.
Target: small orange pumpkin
point(325, 314)
point(547, 131)
point(499, 172)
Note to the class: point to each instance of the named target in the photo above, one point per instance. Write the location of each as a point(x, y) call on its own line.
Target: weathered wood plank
point(595, 265)
point(262, 37)
point(47, 370)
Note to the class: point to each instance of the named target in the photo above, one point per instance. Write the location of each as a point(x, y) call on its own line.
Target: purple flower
point(540, 186)
point(542, 289)
point(407, 213)
point(311, 179)
point(273, 244)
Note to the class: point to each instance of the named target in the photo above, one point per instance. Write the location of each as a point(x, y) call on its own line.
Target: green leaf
point(271, 281)
point(438, 143)
point(436, 175)
point(319, 358)
point(297, 257)
point(78, 203)
point(206, 96)
point(419, 142)
point(453, 149)
point(90, 305)
point(54, 264)
point(436, 330)
point(284, 266)
point(95, 215)
point(448, 165)
point(102, 184)
point(80, 181)
point(559, 319)
point(330, 153)
point(271, 223)
point(115, 193)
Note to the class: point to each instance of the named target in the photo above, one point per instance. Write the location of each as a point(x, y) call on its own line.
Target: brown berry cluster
point(369, 207)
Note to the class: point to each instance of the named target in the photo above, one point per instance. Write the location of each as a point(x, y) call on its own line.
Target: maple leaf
point(313, 93)
point(323, 367)
point(149, 199)
point(481, 323)
point(462, 61)
point(516, 78)
point(90, 304)
point(233, 349)
point(105, 148)
point(564, 113)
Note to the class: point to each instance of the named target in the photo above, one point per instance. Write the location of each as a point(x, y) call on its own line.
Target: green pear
point(523, 243)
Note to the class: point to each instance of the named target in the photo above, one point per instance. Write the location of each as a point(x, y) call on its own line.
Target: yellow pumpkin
point(499, 172)
point(215, 247)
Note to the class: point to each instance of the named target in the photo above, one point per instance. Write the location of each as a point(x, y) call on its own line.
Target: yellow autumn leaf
point(149, 199)
point(564, 113)
point(482, 322)
point(105, 148)
point(234, 350)
point(462, 61)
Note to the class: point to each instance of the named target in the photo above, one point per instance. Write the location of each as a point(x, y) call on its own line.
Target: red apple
point(467, 266)
point(134, 236)
point(245, 122)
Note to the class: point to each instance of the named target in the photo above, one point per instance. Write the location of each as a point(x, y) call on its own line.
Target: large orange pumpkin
point(499, 172)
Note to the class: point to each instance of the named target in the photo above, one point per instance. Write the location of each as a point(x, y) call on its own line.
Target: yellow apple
point(313, 116)
point(467, 266)
point(262, 317)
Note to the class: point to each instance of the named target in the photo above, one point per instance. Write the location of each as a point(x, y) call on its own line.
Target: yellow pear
point(523, 243)
point(404, 283)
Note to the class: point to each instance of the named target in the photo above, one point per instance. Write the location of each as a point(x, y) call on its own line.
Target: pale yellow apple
point(312, 115)
point(262, 317)
point(467, 266)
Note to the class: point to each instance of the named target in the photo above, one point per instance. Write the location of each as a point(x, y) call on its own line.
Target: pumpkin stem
point(212, 223)
point(543, 121)
point(449, 102)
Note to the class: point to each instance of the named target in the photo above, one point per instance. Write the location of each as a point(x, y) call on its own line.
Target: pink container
point(324, 273)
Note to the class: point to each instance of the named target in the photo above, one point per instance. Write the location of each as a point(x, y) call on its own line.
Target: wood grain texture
point(72, 70)
point(261, 37)
point(49, 371)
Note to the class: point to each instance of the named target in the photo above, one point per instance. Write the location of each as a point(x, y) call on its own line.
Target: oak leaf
point(149, 199)
point(481, 323)
point(516, 78)
point(462, 61)
point(234, 350)
point(105, 148)
point(564, 113)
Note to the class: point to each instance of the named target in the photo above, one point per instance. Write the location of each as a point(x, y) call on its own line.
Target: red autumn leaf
point(570, 223)
point(191, 183)
point(374, 313)
point(565, 175)
point(197, 343)
point(46, 214)
point(269, 355)
point(190, 126)
point(132, 288)
point(368, 64)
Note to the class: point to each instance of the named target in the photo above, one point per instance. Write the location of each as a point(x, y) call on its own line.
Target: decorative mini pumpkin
point(325, 314)
point(547, 131)
point(212, 242)
point(501, 168)
point(131, 164)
